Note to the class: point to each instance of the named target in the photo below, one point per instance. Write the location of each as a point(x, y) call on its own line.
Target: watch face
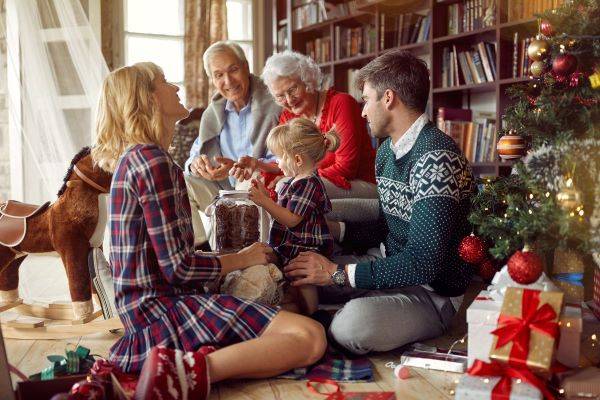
point(339, 278)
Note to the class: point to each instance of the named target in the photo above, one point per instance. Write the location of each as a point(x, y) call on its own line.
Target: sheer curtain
point(59, 70)
point(55, 70)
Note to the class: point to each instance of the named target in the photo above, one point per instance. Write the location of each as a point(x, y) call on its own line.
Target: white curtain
point(59, 68)
point(55, 71)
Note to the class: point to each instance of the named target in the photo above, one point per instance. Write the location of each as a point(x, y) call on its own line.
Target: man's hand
point(310, 268)
point(243, 169)
point(203, 167)
point(258, 193)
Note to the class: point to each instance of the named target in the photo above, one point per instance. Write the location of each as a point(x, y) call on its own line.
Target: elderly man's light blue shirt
point(234, 139)
point(235, 136)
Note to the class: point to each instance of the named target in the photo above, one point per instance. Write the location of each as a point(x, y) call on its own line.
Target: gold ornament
point(537, 68)
point(538, 49)
point(568, 197)
point(595, 80)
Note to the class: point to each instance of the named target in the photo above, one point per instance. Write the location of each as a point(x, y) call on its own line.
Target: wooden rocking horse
point(70, 226)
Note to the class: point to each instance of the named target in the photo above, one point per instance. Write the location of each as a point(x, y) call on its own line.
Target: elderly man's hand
point(203, 167)
point(243, 169)
point(310, 268)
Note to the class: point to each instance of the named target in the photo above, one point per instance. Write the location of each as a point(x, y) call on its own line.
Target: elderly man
point(425, 186)
point(235, 124)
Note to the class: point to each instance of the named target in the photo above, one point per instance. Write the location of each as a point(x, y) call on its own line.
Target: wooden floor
point(30, 357)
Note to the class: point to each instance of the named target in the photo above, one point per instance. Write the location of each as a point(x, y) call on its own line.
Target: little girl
point(299, 213)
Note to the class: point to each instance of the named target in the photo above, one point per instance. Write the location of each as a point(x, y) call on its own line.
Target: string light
point(572, 214)
point(547, 194)
point(529, 211)
point(530, 195)
point(581, 213)
point(569, 182)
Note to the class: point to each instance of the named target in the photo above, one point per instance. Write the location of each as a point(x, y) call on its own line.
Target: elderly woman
point(294, 81)
point(158, 277)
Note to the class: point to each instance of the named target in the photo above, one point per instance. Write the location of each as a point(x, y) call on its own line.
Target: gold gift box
point(541, 346)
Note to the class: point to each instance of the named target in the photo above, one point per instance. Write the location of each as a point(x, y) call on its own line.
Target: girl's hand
point(258, 193)
point(257, 253)
point(243, 169)
point(273, 183)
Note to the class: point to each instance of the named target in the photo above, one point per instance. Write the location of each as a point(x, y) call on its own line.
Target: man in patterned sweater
point(425, 186)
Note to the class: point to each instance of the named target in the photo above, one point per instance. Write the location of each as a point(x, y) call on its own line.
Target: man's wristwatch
point(339, 277)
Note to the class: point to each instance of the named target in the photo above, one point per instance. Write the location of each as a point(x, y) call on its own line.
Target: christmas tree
point(552, 198)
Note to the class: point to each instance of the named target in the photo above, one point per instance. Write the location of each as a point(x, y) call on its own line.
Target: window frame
point(125, 34)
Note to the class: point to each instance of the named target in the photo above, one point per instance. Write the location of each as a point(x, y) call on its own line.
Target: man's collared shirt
point(235, 136)
point(407, 141)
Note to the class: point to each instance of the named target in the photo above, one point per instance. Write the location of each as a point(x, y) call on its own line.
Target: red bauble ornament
point(525, 267)
point(472, 249)
point(564, 64)
point(546, 28)
point(87, 390)
point(487, 270)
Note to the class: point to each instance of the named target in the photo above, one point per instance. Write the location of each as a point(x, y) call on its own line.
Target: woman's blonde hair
point(302, 136)
point(127, 113)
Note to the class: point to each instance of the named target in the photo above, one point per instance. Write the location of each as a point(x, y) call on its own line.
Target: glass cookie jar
point(236, 221)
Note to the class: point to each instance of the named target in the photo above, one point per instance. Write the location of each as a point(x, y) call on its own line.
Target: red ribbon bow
point(518, 329)
point(502, 389)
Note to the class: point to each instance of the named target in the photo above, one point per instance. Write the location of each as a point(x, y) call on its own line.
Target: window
point(239, 26)
point(153, 31)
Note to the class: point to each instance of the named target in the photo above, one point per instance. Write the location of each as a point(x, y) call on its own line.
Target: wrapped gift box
point(567, 274)
point(582, 384)
point(482, 317)
point(595, 303)
point(480, 388)
point(44, 390)
point(539, 353)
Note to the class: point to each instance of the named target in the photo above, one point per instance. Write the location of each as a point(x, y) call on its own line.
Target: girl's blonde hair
point(127, 113)
point(302, 136)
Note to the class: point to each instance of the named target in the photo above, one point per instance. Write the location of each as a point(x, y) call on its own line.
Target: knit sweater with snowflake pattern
point(424, 198)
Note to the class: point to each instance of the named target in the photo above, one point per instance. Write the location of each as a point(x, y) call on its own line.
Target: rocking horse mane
point(82, 153)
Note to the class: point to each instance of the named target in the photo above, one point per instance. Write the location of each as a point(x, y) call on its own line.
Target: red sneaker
point(170, 374)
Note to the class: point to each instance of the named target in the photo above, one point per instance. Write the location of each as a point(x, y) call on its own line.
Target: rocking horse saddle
point(13, 220)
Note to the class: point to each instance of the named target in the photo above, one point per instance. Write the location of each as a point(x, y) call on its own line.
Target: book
point(485, 61)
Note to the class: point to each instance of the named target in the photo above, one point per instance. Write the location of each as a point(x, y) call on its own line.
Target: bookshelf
point(356, 31)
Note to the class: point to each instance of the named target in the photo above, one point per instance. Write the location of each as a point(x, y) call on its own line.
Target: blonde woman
point(158, 276)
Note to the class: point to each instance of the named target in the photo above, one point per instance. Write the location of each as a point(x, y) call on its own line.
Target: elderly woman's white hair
point(290, 64)
point(220, 47)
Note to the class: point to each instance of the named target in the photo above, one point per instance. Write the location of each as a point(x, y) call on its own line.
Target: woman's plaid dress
point(157, 275)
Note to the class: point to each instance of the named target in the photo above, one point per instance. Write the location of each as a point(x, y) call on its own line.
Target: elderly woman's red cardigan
point(355, 158)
